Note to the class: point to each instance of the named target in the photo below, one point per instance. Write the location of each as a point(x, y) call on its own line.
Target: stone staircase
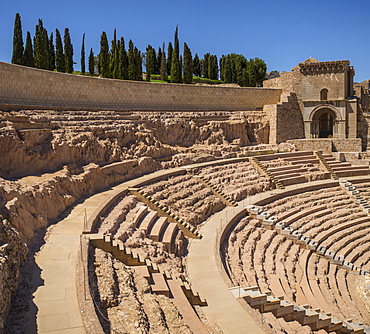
point(228, 201)
point(263, 171)
point(317, 320)
point(188, 230)
point(325, 164)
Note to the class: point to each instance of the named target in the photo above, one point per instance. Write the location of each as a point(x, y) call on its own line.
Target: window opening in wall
point(324, 94)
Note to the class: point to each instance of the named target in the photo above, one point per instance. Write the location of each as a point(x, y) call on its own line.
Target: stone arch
point(324, 120)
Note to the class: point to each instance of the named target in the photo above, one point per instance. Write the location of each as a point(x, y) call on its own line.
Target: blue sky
point(283, 33)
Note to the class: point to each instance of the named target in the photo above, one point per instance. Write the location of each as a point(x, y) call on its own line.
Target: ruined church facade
point(328, 103)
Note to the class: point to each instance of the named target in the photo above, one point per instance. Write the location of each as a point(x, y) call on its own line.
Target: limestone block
point(279, 225)
point(312, 245)
point(347, 265)
point(295, 235)
point(303, 240)
point(338, 259)
point(329, 254)
point(321, 250)
point(263, 215)
point(287, 230)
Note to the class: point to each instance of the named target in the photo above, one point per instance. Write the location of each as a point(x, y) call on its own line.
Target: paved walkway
point(54, 275)
point(223, 310)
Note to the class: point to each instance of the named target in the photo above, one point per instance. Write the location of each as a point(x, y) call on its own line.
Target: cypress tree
point(181, 67)
point(175, 63)
point(227, 71)
point(131, 61)
point(91, 62)
point(83, 55)
point(17, 56)
point(114, 58)
point(28, 52)
point(150, 61)
point(68, 51)
point(60, 62)
point(158, 62)
point(52, 53)
point(169, 57)
point(196, 66)
point(213, 67)
point(205, 65)
point(163, 70)
point(42, 49)
point(188, 65)
point(104, 56)
point(123, 60)
point(138, 65)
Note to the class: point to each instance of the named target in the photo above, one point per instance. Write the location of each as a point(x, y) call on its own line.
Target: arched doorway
point(326, 125)
point(323, 123)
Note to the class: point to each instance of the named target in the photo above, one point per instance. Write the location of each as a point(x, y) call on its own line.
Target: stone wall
point(21, 85)
point(328, 145)
point(288, 82)
point(285, 120)
point(13, 253)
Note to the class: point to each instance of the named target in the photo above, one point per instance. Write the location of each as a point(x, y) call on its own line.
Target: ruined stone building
point(331, 106)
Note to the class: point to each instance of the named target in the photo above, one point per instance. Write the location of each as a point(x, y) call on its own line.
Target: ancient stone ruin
point(150, 208)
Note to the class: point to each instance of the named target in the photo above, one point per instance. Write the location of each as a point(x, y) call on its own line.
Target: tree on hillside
point(196, 66)
point(17, 56)
point(131, 60)
point(114, 57)
point(134, 62)
point(259, 67)
point(213, 67)
point(91, 62)
point(28, 52)
point(163, 70)
point(104, 68)
point(169, 57)
point(158, 61)
point(123, 60)
point(68, 51)
point(41, 47)
point(205, 65)
point(188, 65)
point(60, 62)
point(138, 64)
point(226, 70)
point(83, 55)
point(52, 53)
point(149, 61)
point(175, 62)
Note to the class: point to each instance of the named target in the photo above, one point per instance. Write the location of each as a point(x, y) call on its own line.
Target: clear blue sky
point(283, 33)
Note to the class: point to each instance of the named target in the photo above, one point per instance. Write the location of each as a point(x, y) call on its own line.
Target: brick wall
point(28, 86)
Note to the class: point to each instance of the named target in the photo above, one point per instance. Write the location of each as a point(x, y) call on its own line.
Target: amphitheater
point(132, 207)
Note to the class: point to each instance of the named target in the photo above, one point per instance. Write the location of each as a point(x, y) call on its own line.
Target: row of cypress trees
point(117, 63)
point(41, 52)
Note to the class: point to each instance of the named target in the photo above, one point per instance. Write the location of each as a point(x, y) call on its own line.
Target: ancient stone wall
point(288, 82)
point(29, 86)
point(328, 145)
point(285, 120)
point(13, 253)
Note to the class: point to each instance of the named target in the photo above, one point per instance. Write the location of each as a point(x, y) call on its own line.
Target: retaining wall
point(26, 86)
